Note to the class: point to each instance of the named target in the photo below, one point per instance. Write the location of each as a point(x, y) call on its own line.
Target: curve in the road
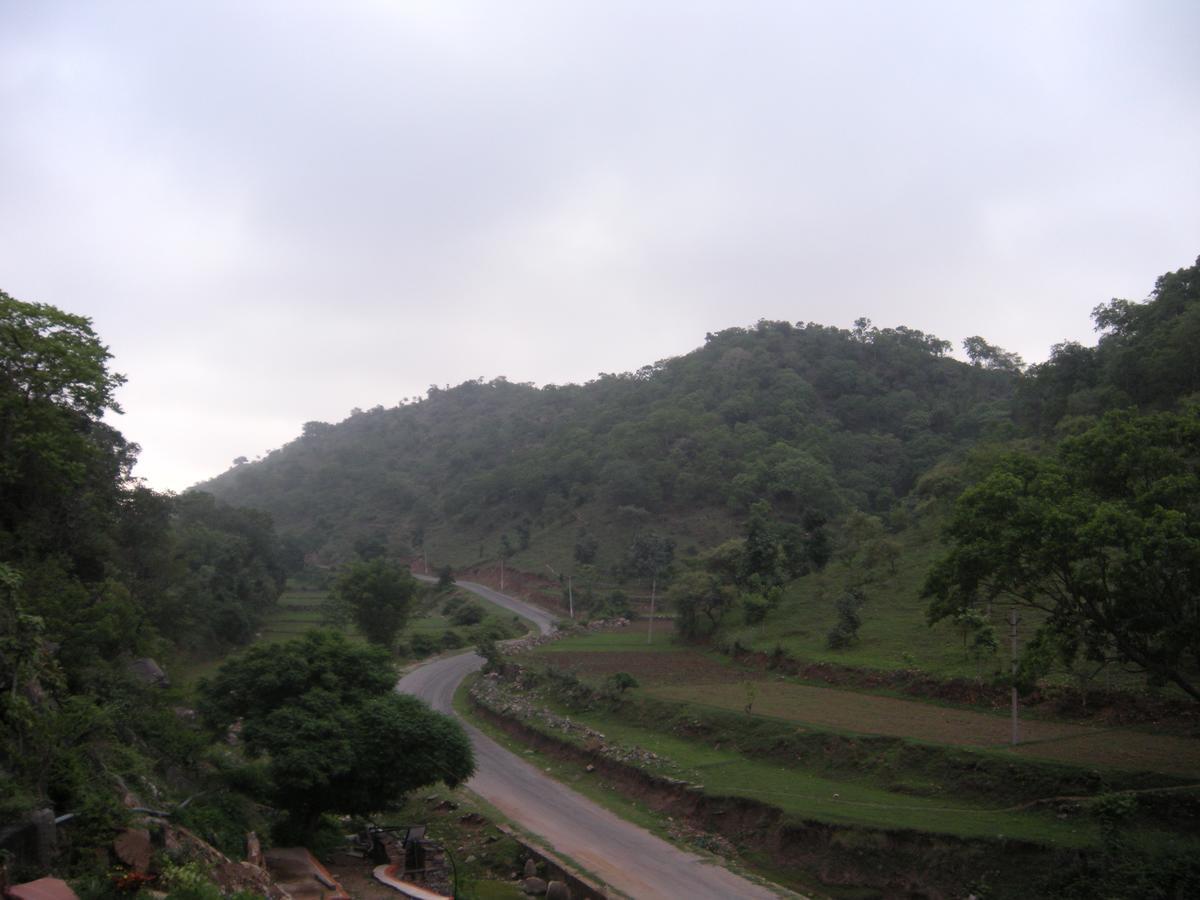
point(625, 857)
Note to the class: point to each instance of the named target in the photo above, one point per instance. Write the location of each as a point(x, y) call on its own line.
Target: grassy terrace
point(671, 671)
point(806, 796)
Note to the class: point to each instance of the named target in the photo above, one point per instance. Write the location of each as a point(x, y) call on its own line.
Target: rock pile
point(503, 698)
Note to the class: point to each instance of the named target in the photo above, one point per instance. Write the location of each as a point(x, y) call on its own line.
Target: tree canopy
point(97, 571)
point(1146, 357)
point(377, 596)
point(814, 420)
point(337, 736)
point(1104, 537)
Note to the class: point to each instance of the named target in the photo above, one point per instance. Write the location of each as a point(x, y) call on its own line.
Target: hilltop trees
point(1146, 357)
point(814, 420)
point(989, 356)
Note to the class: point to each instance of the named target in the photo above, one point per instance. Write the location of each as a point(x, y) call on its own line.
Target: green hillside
point(798, 479)
point(816, 420)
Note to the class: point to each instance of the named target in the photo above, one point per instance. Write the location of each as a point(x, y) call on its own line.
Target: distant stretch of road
point(625, 857)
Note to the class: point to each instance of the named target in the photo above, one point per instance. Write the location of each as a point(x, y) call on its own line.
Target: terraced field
point(672, 672)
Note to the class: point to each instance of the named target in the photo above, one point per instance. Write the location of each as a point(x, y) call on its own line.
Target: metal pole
point(650, 629)
point(1012, 621)
point(571, 595)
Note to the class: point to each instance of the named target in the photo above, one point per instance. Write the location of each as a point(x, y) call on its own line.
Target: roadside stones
point(558, 890)
point(509, 700)
point(535, 886)
point(530, 868)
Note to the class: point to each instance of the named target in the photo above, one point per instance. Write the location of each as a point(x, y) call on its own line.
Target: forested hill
point(815, 419)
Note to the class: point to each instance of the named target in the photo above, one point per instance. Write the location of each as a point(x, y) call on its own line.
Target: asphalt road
point(625, 857)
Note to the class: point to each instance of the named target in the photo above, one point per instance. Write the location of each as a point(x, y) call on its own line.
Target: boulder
point(149, 672)
point(558, 890)
point(133, 848)
point(244, 877)
point(534, 886)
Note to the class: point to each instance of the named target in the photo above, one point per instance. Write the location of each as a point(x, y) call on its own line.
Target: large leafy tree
point(336, 735)
point(700, 600)
point(61, 467)
point(377, 596)
point(1104, 537)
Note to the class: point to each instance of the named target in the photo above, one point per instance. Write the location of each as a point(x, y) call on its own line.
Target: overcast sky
point(275, 212)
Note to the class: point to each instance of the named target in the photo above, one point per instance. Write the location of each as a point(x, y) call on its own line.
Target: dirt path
point(628, 858)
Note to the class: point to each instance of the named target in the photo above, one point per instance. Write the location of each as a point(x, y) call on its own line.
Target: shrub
point(467, 614)
point(620, 682)
point(845, 632)
point(422, 645)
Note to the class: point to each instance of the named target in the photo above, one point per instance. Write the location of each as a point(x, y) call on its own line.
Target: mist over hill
point(815, 419)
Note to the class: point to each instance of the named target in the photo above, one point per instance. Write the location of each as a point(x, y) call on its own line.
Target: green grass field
point(626, 640)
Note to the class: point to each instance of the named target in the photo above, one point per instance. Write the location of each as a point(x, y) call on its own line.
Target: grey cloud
point(278, 211)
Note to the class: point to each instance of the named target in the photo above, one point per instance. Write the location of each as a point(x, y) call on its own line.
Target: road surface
point(620, 854)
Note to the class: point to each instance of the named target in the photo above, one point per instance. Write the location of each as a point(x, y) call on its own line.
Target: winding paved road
point(625, 857)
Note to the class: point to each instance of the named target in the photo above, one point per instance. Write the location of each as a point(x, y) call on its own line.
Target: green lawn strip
point(632, 639)
point(723, 772)
point(591, 785)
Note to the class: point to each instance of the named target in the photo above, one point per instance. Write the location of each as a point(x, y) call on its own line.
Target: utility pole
point(1012, 621)
point(570, 594)
point(650, 629)
point(502, 573)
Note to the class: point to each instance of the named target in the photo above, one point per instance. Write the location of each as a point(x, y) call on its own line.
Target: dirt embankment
point(894, 863)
